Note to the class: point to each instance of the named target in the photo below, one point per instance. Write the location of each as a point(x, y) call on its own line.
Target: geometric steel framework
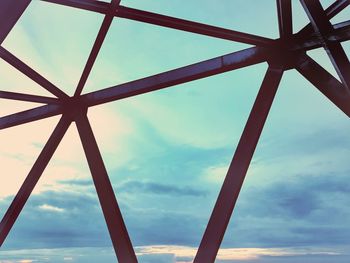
point(286, 52)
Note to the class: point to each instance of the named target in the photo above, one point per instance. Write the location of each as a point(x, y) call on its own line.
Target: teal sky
point(167, 152)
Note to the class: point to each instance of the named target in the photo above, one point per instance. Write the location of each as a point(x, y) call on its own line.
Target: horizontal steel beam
point(192, 72)
point(168, 21)
point(27, 97)
point(31, 73)
point(30, 115)
point(177, 76)
point(10, 12)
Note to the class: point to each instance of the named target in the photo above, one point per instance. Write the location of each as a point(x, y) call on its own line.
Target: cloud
point(159, 189)
point(51, 208)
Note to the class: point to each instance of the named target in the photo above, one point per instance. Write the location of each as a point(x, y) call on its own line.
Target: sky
point(167, 152)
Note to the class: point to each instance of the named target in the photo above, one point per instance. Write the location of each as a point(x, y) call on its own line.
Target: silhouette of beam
point(33, 177)
point(177, 76)
point(189, 73)
point(285, 25)
point(168, 21)
point(112, 8)
point(32, 74)
point(231, 187)
point(27, 97)
point(117, 229)
point(331, 12)
point(326, 83)
point(334, 49)
point(30, 115)
point(10, 12)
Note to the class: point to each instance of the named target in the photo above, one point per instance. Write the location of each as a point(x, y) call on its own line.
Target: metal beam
point(231, 187)
point(193, 27)
point(32, 74)
point(168, 21)
point(112, 8)
point(117, 229)
point(10, 12)
point(331, 11)
point(189, 73)
point(33, 177)
point(325, 82)
point(177, 76)
point(323, 27)
point(27, 97)
point(30, 115)
point(285, 25)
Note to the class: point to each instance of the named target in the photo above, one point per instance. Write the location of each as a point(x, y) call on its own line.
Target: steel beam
point(30, 115)
point(285, 25)
point(331, 11)
point(334, 49)
point(168, 21)
point(27, 97)
point(33, 177)
point(189, 73)
point(325, 82)
point(177, 76)
point(112, 8)
point(32, 74)
point(231, 187)
point(10, 12)
point(117, 229)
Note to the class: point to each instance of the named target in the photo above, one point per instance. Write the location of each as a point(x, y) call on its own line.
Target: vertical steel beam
point(107, 21)
point(117, 229)
point(33, 177)
point(10, 12)
point(231, 187)
point(285, 23)
point(335, 51)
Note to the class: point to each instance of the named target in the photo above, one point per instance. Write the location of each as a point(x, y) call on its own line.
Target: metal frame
point(285, 53)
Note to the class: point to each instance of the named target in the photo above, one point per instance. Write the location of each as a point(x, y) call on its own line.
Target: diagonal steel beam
point(285, 25)
point(30, 115)
point(334, 49)
point(32, 74)
point(27, 97)
point(192, 72)
point(117, 229)
point(168, 21)
point(33, 177)
point(231, 187)
point(325, 82)
point(331, 11)
point(10, 12)
point(112, 8)
point(177, 76)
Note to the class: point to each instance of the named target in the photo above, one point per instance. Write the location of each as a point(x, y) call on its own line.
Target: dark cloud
point(159, 189)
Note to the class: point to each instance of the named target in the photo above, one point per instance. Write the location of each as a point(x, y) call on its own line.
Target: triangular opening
point(239, 15)
point(41, 38)
point(133, 50)
point(169, 179)
point(63, 200)
point(282, 207)
point(300, 19)
point(321, 57)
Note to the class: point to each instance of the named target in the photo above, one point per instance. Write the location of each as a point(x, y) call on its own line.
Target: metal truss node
point(285, 53)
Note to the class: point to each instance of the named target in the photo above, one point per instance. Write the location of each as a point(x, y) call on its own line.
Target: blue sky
point(167, 152)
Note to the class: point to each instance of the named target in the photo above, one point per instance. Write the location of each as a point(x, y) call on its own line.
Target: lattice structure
point(285, 53)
